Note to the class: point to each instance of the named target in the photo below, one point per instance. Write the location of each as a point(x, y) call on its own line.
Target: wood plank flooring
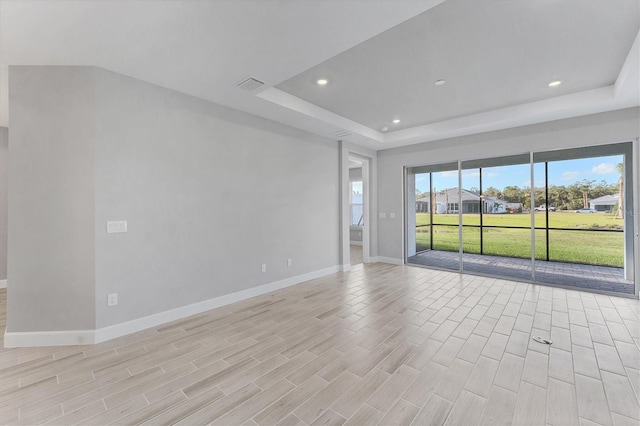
point(381, 344)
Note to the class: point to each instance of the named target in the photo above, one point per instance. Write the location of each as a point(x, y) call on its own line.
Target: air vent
point(250, 84)
point(341, 134)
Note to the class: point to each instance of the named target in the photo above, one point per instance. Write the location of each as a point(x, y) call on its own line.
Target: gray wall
point(355, 174)
point(355, 234)
point(209, 194)
point(4, 140)
point(616, 126)
point(51, 192)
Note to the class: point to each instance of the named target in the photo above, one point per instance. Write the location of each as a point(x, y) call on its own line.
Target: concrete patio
point(567, 274)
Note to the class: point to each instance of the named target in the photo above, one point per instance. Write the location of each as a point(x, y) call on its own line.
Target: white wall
point(616, 126)
point(209, 194)
point(51, 244)
point(4, 140)
point(355, 174)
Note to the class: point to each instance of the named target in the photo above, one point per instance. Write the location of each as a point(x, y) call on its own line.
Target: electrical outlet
point(264, 267)
point(112, 299)
point(289, 262)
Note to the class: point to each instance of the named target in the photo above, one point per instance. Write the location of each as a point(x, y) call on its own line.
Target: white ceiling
point(381, 57)
point(492, 54)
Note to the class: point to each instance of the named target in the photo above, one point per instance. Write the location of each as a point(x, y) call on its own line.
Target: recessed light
point(555, 83)
point(385, 128)
point(439, 82)
point(396, 121)
point(322, 82)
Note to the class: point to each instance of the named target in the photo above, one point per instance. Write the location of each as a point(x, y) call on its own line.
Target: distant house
point(448, 201)
point(606, 203)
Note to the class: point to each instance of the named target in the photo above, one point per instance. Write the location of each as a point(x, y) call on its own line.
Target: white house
point(448, 201)
point(606, 203)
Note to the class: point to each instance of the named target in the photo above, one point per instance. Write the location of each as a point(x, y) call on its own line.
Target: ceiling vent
point(250, 84)
point(341, 134)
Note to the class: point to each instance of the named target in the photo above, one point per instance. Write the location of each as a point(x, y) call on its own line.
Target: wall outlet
point(112, 299)
point(116, 226)
point(264, 267)
point(289, 262)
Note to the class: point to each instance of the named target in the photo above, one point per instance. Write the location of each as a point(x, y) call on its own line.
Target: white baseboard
point(48, 338)
point(345, 268)
point(122, 329)
point(3, 283)
point(391, 260)
point(85, 337)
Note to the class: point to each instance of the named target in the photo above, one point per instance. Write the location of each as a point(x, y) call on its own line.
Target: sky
point(564, 172)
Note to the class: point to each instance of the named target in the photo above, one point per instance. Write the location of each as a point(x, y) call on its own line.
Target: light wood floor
point(355, 255)
point(380, 344)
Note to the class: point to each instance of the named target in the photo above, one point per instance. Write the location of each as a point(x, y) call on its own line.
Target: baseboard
point(48, 338)
point(3, 283)
point(84, 337)
point(345, 268)
point(391, 260)
point(122, 329)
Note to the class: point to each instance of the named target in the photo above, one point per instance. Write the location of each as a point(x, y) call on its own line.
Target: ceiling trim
point(624, 93)
point(294, 103)
point(628, 80)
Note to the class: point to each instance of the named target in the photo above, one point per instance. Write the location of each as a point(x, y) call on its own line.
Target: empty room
point(350, 212)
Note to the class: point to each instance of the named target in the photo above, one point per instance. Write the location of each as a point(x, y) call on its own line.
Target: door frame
point(368, 201)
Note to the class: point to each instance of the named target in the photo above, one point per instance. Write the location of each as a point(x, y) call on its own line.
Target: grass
point(588, 247)
point(556, 220)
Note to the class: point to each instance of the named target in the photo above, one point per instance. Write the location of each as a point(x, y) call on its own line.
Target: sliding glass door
point(562, 217)
point(433, 207)
point(496, 221)
point(588, 238)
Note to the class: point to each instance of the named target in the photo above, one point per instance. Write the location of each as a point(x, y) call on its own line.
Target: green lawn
point(589, 247)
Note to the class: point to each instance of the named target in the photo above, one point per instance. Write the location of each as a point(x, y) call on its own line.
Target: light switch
point(392, 215)
point(116, 226)
point(383, 215)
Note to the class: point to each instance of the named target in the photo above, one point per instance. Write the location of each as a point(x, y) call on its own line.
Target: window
point(355, 201)
point(557, 217)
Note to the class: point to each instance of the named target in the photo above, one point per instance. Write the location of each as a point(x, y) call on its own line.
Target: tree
point(513, 194)
point(492, 192)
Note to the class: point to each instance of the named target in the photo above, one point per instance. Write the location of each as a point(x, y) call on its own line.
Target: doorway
point(356, 208)
point(356, 211)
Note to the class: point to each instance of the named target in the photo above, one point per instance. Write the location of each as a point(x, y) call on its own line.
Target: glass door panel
point(583, 203)
point(472, 204)
point(496, 219)
point(433, 226)
point(423, 212)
